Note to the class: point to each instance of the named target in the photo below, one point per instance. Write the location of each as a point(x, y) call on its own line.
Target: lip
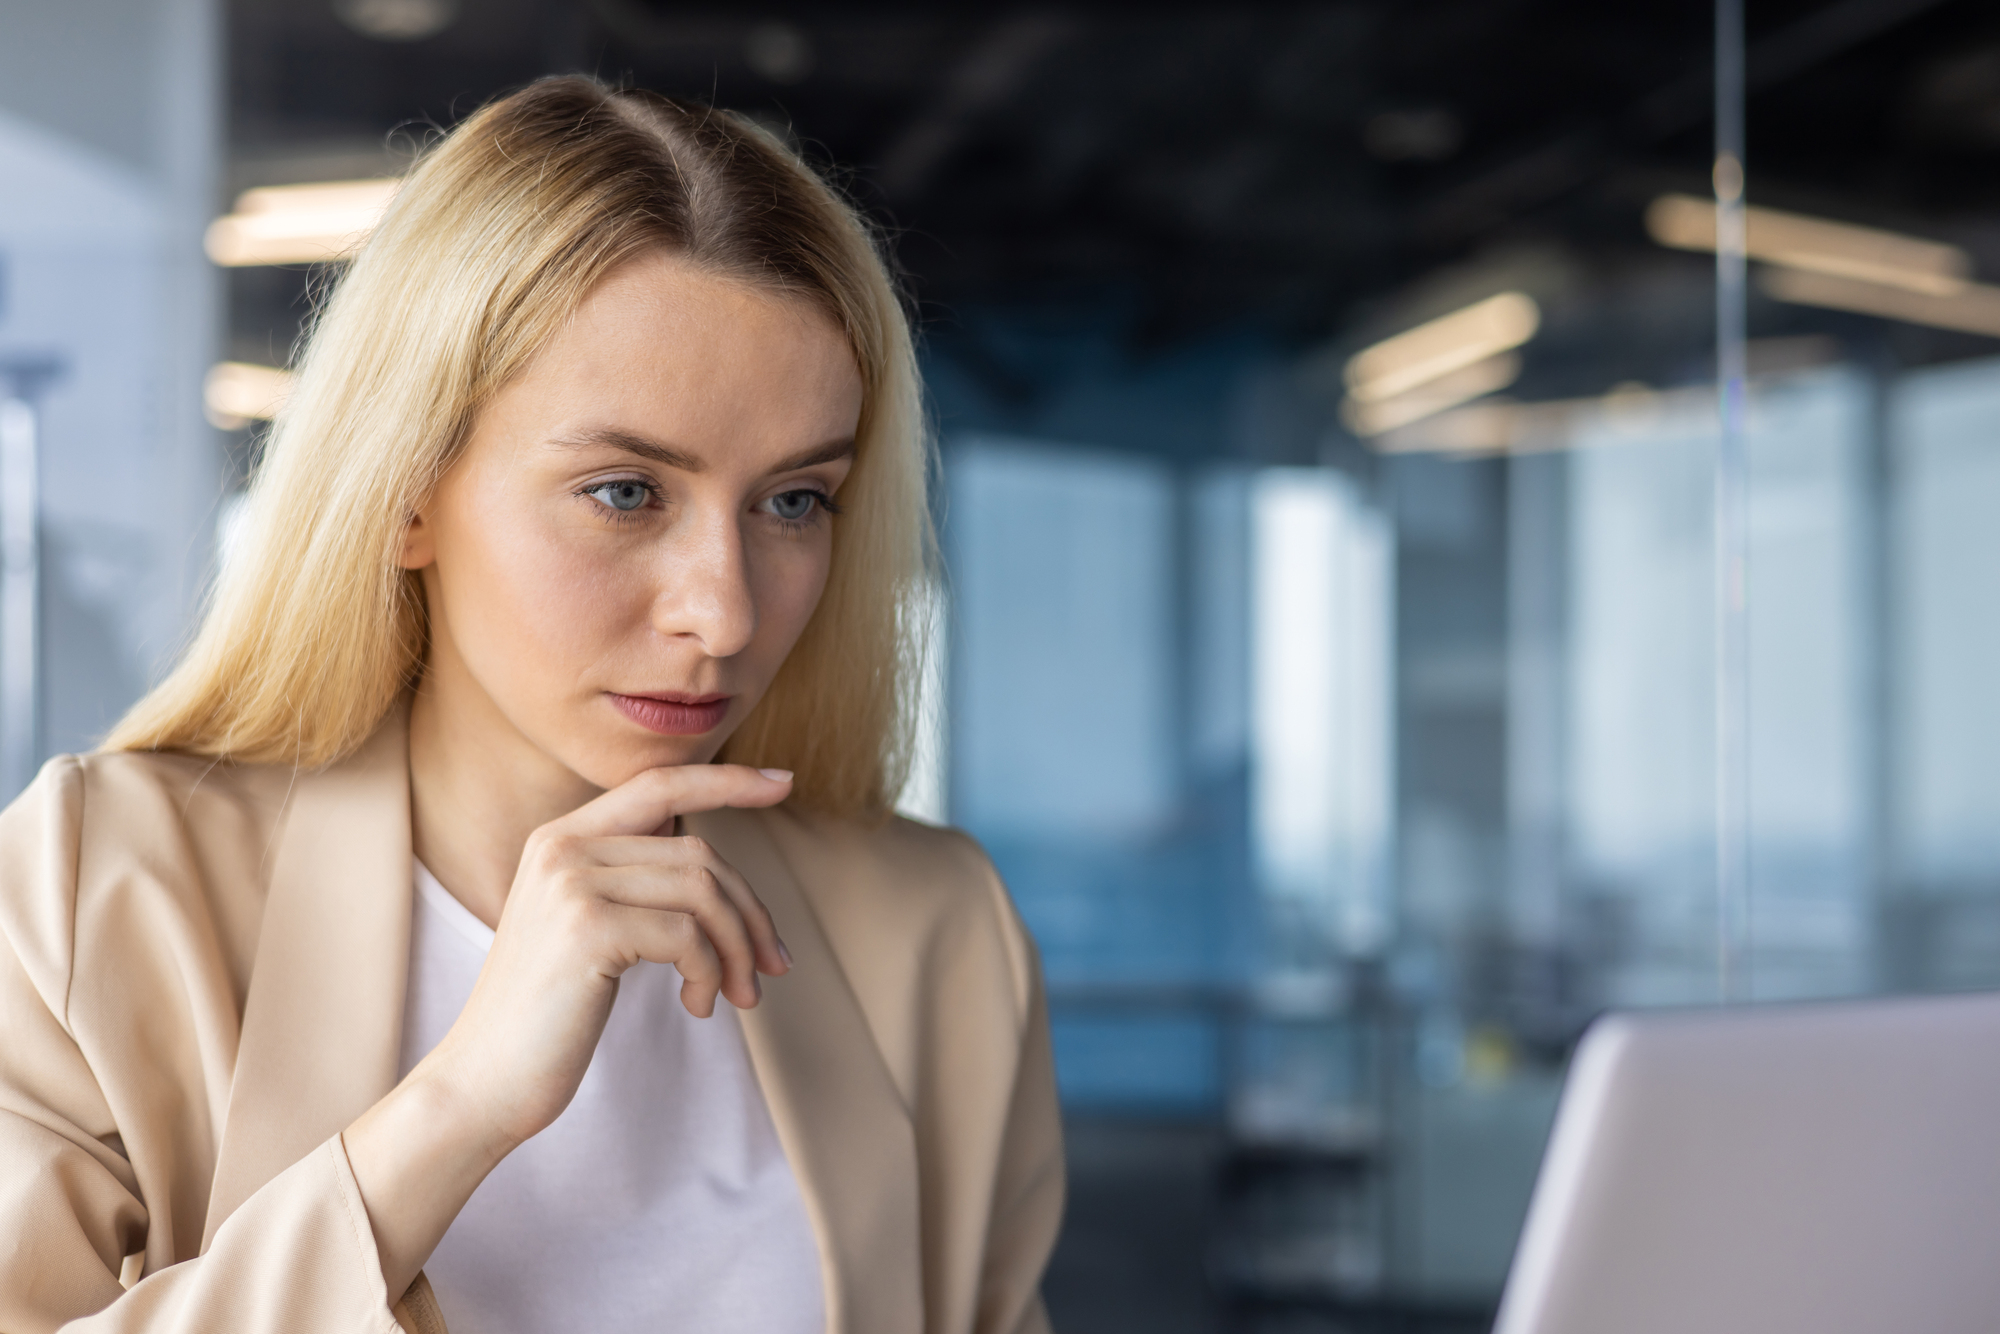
point(672, 713)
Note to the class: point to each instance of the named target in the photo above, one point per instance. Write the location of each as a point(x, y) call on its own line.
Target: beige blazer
point(201, 982)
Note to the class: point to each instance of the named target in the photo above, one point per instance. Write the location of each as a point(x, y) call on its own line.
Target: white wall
point(1642, 725)
point(109, 138)
point(1946, 423)
point(1063, 628)
point(1322, 785)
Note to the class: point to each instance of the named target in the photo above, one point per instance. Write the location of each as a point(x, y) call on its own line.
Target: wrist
point(442, 1111)
point(417, 1155)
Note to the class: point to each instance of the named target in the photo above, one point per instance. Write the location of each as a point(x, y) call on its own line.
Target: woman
point(567, 637)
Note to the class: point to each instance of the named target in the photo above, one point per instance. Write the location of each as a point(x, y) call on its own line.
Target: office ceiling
point(1202, 165)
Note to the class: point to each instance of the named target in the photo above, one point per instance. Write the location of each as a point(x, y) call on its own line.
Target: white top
point(660, 1199)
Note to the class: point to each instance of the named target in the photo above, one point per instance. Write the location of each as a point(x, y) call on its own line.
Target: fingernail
point(777, 775)
point(757, 986)
point(784, 954)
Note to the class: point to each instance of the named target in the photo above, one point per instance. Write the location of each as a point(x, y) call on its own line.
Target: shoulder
point(898, 856)
point(914, 890)
point(145, 804)
point(916, 868)
point(922, 933)
point(125, 827)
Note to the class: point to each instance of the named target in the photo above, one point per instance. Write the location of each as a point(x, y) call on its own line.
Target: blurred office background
point(1339, 705)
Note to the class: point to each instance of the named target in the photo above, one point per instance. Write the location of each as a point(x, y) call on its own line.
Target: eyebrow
point(632, 443)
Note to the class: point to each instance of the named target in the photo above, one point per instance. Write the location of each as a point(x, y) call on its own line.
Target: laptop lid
point(1802, 1169)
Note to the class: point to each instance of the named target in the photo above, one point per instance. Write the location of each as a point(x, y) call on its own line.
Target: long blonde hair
point(313, 630)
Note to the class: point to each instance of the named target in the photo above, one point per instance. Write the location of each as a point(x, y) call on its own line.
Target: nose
point(706, 593)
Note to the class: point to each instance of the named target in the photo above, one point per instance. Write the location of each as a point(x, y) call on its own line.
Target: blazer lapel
point(322, 1029)
point(843, 1124)
point(322, 1025)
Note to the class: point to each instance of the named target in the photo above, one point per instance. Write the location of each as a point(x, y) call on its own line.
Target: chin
point(618, 759)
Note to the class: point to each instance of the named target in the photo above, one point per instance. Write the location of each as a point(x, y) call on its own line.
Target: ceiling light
point(397, 20)
point(1444, 345)
point(298, 224)
point(1368, 419)
point(779, 52)
point(236, 393)
point(1530, 428)
point(1499, 426)
point(1429, 134)
point(1974, 308)
point(1838, 249)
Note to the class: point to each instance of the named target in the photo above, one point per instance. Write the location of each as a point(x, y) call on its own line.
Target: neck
point(478, 788)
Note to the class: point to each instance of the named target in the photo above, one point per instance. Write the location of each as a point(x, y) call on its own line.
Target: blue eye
point(622, 495)
point(794, 505)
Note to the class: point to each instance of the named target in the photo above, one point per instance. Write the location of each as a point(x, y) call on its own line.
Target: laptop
point(1828, 1168)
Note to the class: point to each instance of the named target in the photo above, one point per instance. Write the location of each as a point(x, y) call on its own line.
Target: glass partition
point(1329, 633)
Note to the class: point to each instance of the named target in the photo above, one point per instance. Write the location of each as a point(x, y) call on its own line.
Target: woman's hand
point(597, 892)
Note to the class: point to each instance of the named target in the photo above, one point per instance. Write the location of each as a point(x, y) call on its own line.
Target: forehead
point(659, 311)
point(665, 349)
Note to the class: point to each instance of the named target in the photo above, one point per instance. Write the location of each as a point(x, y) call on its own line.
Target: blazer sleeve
point(298, 1256)
point(1028, 1183)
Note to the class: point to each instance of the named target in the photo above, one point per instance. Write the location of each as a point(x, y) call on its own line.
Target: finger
point(671, 938)
point(693, 889)
point(647, 801)
point(628, 850)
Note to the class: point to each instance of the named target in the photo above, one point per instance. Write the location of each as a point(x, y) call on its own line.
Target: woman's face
point(640, 525)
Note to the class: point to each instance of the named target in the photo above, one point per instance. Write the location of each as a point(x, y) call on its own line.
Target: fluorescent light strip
point(1974, 309)
point(1836, 249)
point(1500, 427)
point(299, 224)
point(236, 393)
point(1449, 343)
point(1368, 419)
point(1529, 428)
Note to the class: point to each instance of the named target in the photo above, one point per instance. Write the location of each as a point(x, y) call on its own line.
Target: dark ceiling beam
point(1782, 55)
point(1570, 159)
point(998, 64)
point(649, 30)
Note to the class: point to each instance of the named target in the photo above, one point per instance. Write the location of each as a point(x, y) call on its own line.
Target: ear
point(419, 546)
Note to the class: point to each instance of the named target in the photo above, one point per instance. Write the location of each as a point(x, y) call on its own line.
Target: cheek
point(788, 588)
point(525, 604)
